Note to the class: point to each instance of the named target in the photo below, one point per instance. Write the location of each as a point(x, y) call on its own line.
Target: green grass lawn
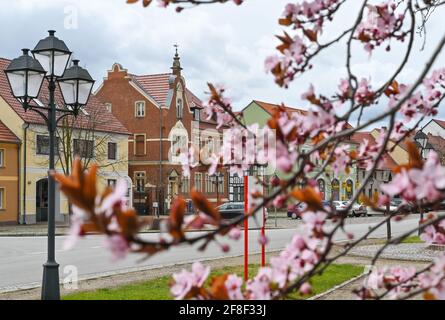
point(413, 239)
point(158, 289)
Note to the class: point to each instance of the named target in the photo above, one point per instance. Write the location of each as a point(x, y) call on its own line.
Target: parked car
point(340, 206)
point(231, 210)
point(293, 211)
point(234, 210)
point(358, 210)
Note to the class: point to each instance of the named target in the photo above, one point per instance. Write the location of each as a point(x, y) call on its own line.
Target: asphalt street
point(21, 258)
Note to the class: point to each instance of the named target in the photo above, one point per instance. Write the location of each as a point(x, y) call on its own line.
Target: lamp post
point(26, 75)
point(421, 140)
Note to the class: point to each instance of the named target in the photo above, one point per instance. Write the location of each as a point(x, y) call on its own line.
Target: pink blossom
point(305, 288)
point(258, 288)
point(233, 285)
point(263, 240)
point(115, 198)
point(185, 280)
point(234, 233)
point(118, 246)
point(77, 218)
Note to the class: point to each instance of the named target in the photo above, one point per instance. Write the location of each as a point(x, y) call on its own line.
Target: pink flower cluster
point(308, 19)
point(300, 256)
point(368, 152)
point(313, 12)
point(415, 184)
point(399, 281)
point(185, 281)
point(381, 23)
point(214, 107)
point(363, 95)
point(434, 233)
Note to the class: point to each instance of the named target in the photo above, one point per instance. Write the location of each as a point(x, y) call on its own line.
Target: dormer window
point(108, 106)
point(179, 109)
point(140, 109)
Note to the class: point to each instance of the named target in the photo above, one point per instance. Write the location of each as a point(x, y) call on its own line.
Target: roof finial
point(176, 49)
point(176, 63)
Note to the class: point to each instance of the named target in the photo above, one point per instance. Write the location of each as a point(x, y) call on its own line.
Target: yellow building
point(9, 175)
point(96, 136)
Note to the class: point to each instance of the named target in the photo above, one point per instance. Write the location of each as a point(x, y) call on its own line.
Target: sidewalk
point(40, 229)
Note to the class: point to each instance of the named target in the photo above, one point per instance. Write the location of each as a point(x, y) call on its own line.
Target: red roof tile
point(388, 162)
point(7, 135)
point(271, 107)
point(157, 86)
point(107, 123)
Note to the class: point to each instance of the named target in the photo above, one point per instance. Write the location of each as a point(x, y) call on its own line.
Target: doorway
point(42, 200)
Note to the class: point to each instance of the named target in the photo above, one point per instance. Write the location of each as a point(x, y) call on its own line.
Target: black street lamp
point(425, 147)
point(25, 75)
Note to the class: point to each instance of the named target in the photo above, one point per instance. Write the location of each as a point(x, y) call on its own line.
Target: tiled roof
point(157, 86)
point(270, 107)
point(7, 135)
point(388, 162)
point(107, 122)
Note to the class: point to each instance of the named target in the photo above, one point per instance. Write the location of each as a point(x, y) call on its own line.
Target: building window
point(185, 186)
point(43, 145)
point(349, 189)
point(322, 188)
point(207, 183)
point(140, 181)
point(179, 109)
point(108, 106)
point(221, 183)
point(196, 114)
point(2, 157)
point(198, 181)
point(111, 183)
point(112, 150)
point(179, 145)
point(139, 141)
point(140, 109)
point(84, 148)
point(2, 198)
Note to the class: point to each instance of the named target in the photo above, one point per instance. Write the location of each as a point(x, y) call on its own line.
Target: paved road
point(21, 258)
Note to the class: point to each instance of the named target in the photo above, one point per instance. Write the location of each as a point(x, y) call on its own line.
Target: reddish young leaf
point(201, 202)
point(309, 196)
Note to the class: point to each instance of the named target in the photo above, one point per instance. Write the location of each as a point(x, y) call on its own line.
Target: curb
point(59, 234)
point(341, 285)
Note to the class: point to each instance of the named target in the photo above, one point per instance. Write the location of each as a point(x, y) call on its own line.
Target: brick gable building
point(159, 110)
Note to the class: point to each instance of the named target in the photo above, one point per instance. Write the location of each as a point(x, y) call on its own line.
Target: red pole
point(263, 245)
point(246, 230)
point(263, 233)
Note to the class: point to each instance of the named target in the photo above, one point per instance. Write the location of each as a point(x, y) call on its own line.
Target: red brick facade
point(142, 104)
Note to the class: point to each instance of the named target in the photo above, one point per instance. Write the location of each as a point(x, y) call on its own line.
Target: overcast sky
point(218, 43)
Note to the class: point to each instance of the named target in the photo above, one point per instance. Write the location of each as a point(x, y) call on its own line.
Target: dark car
point(231, 210)
point(294, 210)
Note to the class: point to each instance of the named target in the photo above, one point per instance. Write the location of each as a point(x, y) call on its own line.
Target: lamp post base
point(50, 283)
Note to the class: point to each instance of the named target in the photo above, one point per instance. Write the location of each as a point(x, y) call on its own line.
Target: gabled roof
point(271, 107)
point(388, 162)
point(157, 86)
point(6, 135)
point(107, 123)
point(440, 122)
